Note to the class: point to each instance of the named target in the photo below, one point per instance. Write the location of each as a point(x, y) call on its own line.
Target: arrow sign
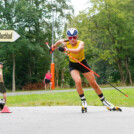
point(8, 36)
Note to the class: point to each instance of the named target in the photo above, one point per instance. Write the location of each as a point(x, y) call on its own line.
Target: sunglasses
point(72, 37)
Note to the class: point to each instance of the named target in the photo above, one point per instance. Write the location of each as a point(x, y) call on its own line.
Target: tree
point(28, 56)
point(107, 30)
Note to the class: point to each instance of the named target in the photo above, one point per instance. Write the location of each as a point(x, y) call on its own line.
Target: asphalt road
point(66, 120)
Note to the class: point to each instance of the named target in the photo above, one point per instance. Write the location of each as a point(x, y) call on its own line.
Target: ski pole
point(95, 73)
point(47, 45)
point(91, 71)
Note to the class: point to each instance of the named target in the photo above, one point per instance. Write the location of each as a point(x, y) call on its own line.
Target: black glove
point(62, 49)
point(51, 50)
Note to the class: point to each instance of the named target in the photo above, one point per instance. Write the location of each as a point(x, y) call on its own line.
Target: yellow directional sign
point(8, 36)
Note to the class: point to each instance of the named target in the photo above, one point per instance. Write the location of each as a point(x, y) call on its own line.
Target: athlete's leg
point(45, 86)
point(77, 79)
point(4, 97)
point(91, 79)
point(50, 84)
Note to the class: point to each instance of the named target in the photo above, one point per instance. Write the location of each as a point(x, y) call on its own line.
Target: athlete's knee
point(78, 81)
point(93, 83)
point(4, 94)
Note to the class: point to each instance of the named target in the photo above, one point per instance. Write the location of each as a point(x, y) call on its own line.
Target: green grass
point(72, 98)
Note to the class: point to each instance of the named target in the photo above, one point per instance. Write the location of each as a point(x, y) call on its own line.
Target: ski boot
point(84, 107)
point(2, 103)
point(110, 106)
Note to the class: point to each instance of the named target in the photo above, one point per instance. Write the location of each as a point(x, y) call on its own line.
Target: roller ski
point(110, 106)
point(115, 109)
point(84, 107)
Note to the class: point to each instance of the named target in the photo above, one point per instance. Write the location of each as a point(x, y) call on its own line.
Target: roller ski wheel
point(84, 109)
point(115, 109)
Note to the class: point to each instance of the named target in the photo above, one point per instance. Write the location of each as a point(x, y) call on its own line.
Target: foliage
point(32, 20)
point(107, 29)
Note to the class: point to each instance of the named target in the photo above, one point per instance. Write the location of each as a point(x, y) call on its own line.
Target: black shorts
point(47, 81)
point(79, 67)
point(2, 87)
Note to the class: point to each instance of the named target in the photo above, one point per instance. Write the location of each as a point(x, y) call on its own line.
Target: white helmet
point(72, 32)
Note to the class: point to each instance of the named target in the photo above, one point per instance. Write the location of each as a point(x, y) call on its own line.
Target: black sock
point(82, 97)
point(102, 98)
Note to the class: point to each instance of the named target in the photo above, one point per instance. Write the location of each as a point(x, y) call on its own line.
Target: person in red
point(47, 79)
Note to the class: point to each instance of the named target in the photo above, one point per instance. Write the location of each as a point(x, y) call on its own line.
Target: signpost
point(8, 36)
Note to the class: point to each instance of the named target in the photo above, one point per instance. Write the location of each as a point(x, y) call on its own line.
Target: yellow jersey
point(78, 56)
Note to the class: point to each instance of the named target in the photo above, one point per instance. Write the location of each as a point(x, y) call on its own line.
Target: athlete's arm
point(78, 49)
point(62, 41)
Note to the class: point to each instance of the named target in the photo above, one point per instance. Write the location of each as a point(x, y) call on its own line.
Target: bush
point(34, 86)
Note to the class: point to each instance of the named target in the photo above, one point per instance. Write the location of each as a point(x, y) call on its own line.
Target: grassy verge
point(72, 98)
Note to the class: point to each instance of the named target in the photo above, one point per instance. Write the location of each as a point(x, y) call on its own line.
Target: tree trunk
point(128, 71)
point(121, 71)
point(62, 78)
point(13, 80)
point(57, 77)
